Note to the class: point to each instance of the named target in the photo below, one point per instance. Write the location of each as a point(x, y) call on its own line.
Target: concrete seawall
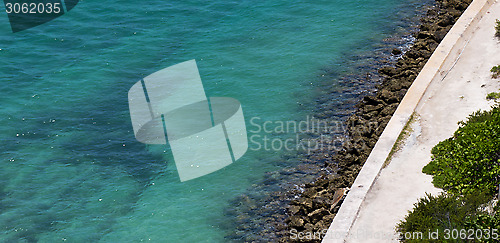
point(436, 69)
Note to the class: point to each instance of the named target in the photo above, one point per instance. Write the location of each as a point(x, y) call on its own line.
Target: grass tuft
point(495, 71)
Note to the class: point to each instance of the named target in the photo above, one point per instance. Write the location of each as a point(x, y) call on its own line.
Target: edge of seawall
point(436, 68)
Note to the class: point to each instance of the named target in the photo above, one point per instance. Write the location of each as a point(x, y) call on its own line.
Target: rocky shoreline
point(325, 176)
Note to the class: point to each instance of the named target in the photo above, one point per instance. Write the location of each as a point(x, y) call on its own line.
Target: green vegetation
point(495, 71)
point(493, 96)
point(467, 167)
point(497, 28)
point(469, 161)
point(442, 212)
point(485, 221)
point(407, 130)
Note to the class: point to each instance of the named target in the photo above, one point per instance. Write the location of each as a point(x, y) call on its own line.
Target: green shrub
point(469, 161)
point(493, 96)
point(467, 167)
point(483, 220)
point(497, 28)
point(495, 71)
point(438, 213)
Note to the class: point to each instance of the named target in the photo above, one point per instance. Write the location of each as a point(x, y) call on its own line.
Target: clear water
point(71, 167)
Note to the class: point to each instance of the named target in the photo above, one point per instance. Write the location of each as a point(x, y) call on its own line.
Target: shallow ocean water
point(71, 167)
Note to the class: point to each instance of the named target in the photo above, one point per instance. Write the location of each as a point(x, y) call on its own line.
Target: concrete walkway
point(445, 103)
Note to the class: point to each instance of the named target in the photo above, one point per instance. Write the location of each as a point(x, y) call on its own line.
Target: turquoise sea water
point(71, 169)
